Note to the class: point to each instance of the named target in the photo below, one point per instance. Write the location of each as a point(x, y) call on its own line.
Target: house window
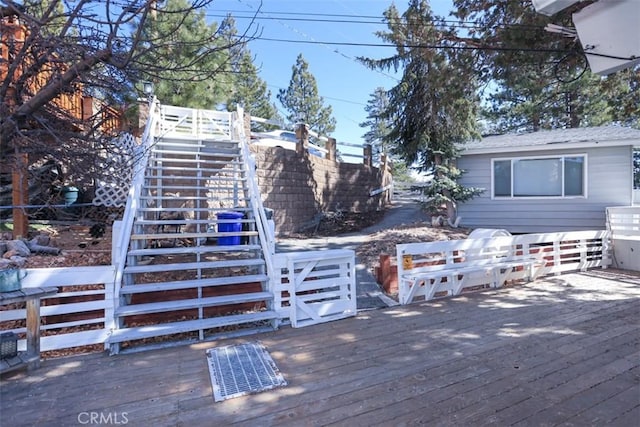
point(521, 177)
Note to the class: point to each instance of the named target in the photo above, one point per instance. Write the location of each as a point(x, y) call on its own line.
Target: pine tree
point(433, 107)
point(539, 79)
point(182, 71)
point(247, 89)
point(302, 102)
point(379, 127)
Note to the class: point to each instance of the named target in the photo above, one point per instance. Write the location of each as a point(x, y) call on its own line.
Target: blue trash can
point(229, 227)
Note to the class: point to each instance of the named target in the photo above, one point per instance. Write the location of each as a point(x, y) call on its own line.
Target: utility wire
point(374, 19)
point(440, 23)
point(313, 41)
point(457, 47)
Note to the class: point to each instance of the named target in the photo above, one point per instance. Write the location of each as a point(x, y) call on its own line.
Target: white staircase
point(195, 253)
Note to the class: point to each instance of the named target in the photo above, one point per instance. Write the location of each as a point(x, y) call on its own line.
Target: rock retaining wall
point(299, 187)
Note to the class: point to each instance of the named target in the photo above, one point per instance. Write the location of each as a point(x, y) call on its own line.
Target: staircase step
point(202, 210)
point(169, 188)
point(160, 268)
point(175, 305)
point(187, 284)
point(194, 250)
point(186, 169)
point(229, 161)
point(150, 331)
point(194, 149)
point(179, 142)
point(185, 198)
point(190, 178)
point(186, 222)
point(163, 236)
point(190, 150)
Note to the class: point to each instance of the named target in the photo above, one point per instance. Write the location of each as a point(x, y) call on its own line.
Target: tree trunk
point(451, 209)
point(20, 194)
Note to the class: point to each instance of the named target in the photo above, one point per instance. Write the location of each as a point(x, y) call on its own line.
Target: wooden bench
point(446, 268)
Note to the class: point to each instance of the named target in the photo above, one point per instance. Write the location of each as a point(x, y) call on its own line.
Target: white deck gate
point(315, 286)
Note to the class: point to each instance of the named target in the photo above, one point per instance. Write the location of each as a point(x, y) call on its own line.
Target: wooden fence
point(624, 224)
point(551, 253)
point(80, 314)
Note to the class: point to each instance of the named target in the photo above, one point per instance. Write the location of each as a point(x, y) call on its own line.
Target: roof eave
point(552, 146)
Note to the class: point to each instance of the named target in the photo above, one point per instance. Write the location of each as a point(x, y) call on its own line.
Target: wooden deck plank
point(563, 350)
point(490, 352)
point(433, 394)
point(593, 396)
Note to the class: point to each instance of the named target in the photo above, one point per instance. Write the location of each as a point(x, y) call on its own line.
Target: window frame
point(561, 157)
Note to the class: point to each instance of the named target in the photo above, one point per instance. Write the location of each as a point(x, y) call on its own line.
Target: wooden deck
point(565, 350)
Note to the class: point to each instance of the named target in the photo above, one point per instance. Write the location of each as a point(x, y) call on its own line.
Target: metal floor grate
point(237, 370)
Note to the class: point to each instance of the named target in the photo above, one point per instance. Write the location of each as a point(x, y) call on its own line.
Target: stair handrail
point(133, 197)
point(267, 240)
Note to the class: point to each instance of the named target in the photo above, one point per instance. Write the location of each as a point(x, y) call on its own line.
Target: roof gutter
point(551, 146)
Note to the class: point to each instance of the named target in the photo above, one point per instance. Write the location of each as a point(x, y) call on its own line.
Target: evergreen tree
point(248, 89)
point(302, 102)
point(540, 79)
point(379, 127)
point(433, 107)
point(182, 72)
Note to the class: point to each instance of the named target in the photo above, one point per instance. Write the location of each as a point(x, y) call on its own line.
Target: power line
point(452, 47)
point(336, 51)
point(466, 25)
point(375, 19)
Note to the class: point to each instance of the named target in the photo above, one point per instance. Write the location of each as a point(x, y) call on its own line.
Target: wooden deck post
point(302, 133)
point(367, 152)
point(331, 149)
point(20, 194)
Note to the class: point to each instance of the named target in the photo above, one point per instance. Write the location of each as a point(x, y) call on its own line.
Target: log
point(34, 247)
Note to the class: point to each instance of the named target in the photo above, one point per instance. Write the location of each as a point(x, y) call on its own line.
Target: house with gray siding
point(552, 180)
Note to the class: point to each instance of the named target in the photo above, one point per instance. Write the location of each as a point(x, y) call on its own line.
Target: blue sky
point(344, 84)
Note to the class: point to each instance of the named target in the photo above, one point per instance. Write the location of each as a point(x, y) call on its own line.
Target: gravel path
point(405, 210)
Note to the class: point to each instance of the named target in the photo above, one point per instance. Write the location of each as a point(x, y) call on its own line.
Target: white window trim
point(551, 156)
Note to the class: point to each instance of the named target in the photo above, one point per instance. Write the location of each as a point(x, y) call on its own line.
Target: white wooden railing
point(181, 122)
point(550, 253)
point(122, 229)
point(624, 225)
point(84, 300)
point(312, 287)
point(624, 222)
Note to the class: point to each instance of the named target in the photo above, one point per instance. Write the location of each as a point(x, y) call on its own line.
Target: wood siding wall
point(608, 184)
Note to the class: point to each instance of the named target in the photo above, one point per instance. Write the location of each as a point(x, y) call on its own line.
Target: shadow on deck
point(561, 350)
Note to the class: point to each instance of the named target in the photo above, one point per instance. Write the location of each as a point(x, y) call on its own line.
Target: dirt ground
point(77, 246)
